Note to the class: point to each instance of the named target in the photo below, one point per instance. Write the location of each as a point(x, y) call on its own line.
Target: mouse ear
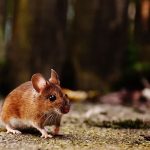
point(54, 77)
point(38, 82)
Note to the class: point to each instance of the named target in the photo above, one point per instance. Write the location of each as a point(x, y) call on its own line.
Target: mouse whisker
point(43, 115)
point(49, 119)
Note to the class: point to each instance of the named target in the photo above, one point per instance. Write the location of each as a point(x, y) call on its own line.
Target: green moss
point(131, 124)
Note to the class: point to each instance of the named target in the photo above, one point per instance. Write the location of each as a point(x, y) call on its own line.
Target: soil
point(89, 127)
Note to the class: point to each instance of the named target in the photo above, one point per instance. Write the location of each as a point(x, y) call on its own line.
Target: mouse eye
point(52, 98)
point(66, 95)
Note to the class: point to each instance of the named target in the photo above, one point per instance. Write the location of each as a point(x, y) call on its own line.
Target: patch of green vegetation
point(141, 66)
point(125, 124)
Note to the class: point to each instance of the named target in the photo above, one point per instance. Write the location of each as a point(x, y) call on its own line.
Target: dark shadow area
point(146, 137)
point(65, 137)
point(32, 131)
point(68, 75)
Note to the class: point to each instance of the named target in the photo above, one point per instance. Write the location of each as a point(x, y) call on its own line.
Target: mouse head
point(50, 97)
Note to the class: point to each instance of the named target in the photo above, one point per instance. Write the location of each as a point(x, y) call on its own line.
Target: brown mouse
point(36, 103)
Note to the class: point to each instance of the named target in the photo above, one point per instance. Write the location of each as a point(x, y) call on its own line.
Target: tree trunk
point(18, 47)
point(48, 35)
point(99, 42)
point(2, 18)
point(37, 42)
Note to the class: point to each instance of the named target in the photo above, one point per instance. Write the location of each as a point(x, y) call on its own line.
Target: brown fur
point(30, 101)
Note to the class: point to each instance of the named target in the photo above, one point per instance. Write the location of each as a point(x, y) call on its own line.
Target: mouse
point(36, 103)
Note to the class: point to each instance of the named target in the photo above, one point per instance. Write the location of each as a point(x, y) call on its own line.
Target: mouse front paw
point(56, 131)
point(46, 136)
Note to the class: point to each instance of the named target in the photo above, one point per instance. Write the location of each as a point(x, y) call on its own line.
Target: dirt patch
point(84, 128)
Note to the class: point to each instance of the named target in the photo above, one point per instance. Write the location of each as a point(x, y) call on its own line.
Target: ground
point(89, 127)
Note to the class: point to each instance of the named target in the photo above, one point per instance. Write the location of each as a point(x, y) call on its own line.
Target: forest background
point(93, 44)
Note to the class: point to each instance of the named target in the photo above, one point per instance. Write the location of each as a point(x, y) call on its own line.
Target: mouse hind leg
point(10, 129)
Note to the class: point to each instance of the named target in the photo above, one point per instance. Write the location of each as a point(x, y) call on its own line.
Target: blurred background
point(101, 51)
point(97, 45)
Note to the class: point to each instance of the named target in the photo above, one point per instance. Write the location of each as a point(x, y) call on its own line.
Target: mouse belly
point(18, 123)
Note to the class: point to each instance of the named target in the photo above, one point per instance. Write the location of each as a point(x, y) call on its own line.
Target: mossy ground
point(89, 127)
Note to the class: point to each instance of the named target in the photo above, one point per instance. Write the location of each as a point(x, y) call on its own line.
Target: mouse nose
point(66, 106)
